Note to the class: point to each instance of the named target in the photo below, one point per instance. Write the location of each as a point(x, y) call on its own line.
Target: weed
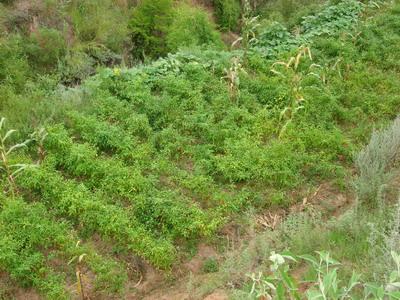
point(79, 276)
point(295, 79)
point(233, 78)
point(210, 265)
point(375, 164)
point(227, 13)
point(11, 170)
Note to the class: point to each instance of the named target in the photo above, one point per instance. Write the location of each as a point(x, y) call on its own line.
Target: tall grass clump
point(375, 164)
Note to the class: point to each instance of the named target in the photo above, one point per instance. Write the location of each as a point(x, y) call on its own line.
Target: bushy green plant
point(42, 241)
point(210, 265)
point(76, 202)
point(331, 20)
point(95, 22)
point(227, 13)
point(273, 165)
point(76, 66)
point(45, 48)
point(288, 11)
point(180, 218)
point(375, 164)
point(19, 252)
point(191, 27)
point(14, 67)
point(327, 285)
point(148, 26)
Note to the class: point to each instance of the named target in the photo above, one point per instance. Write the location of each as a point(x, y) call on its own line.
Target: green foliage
point(328, 284)
point(210, 265)
point(75, 201)
point(95, 22)
point(31, 229)
point(117, 180)
point(152, 159)
point(191, 27)
point(274, 165)
point(148, 26)
point(375, 164)
point(45, 48)
point(158, 28)
point(43, 242)
point(14, 67)
point(227, 13)
point(331, 20)
point(288, 11)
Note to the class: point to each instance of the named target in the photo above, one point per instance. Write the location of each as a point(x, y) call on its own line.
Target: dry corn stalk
point(269, 221)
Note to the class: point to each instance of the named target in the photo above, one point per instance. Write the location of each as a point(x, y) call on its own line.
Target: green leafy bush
point(31, 230)
point(210, 265)
point(43, 242)
point(77, 203)
point(227, 13)
point(76, 66)
point(289, 12)
point(95, 22)
point(148, 26)
point(45, 48)
point(275, 165)
point(375, 164)
point(14, 67)
point(332, 19)
point(191, 27)
point(327, 284)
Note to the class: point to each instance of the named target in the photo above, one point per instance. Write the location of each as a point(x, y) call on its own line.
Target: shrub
point(43, 242)
point(190, 27)
point(275, 165)
point(14, 67)
point(101, 22)
point(76, 66)
point(45, 48)
point(32, 230)
point(330, 21)
point(210, 265)
point(75, 202)
point(227, 13)
point(148, 26)
point(375, 164)
point(289, 11)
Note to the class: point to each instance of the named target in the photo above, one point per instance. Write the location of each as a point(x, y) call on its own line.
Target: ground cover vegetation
point(132, 133)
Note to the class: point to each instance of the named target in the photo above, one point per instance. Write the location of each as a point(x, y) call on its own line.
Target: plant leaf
point(8, 134)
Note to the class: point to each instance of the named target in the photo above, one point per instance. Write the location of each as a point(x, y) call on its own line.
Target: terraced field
point(142, 164)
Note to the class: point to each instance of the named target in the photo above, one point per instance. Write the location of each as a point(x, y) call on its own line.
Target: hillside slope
point(127, 173)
